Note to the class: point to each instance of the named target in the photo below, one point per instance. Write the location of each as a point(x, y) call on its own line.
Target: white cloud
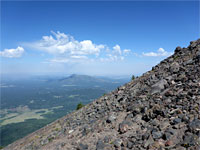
point(62, 44)
point(126, 51)
point(116, 54)
point(79, 57)
point(87, 47)
point(117, 49)
point(12, 53)
point(70, 60)
point(160, 52)
point(66, 49)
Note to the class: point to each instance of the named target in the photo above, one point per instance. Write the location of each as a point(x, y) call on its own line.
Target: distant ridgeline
point(158, 110)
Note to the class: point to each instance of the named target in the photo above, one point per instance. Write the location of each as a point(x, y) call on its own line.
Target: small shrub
point(36, 136)
point(79, 106)
point(50, 139)
point(133, 77)
point(176, 57)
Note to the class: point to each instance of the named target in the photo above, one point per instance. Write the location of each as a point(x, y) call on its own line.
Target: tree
point(133, 77)
point(79, 106)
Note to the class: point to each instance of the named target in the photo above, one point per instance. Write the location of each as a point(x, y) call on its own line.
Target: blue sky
point(95, 38)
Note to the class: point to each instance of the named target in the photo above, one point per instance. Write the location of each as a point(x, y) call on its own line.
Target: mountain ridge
point(159, 110)
point(81, 77)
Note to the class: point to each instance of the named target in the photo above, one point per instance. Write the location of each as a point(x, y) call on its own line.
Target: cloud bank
point(65, 49)
point(160, 52)
point(12, 53)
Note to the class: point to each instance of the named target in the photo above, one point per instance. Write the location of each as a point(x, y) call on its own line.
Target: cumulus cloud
point(160, 52)
point(12, 53)
point(65, 48)
point(110, 58)
point(126, 51)
point(115, 54)
point(62, 44)
point(117, 49)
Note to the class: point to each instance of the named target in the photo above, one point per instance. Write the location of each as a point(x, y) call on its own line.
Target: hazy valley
point(31, 103)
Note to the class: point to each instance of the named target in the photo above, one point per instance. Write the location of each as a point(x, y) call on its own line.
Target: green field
point(17, 117)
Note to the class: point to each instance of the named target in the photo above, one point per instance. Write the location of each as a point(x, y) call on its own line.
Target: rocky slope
point(159, 110)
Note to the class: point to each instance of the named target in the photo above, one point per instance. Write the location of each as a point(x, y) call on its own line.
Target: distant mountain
point(74, 79)
point(88, 81)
